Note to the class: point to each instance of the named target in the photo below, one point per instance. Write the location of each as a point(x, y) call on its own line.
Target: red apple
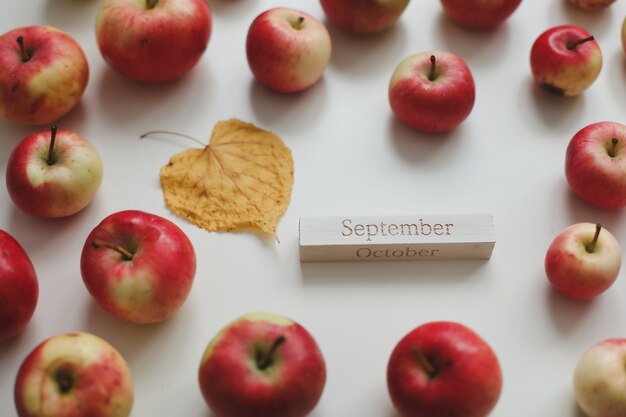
point(74, 375)
point(153, 40)
point(432, 91)
point(479, 14)
point(595, 164)
point(443, 369)
point(363, 17)
point(19, 289)
point(565, 60)
point(600, 379)
point(287, 50)
point(583, 261)
point(53, 174)
point(43, 74)
point(138, 266)
point(591, 5)
point(262, 365)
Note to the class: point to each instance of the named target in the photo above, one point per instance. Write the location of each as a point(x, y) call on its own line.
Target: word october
point(393, 229)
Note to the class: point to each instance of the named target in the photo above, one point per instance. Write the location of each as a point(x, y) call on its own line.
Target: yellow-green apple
point(262, 364)
point(138, 266)
point(363, 17)
point(432, 91)
point(74, 375)
point(565, 60)
point(599, 382)
point(591, 5)
point(43, 74)
point(595, 164)
point(583, 261)
point(53, 173)
point(287, 50)
point(153, 40)
point(443, 369)
point(19, 288)
point(479, 14)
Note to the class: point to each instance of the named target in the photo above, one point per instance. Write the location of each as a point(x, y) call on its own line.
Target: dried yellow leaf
point(241, 180)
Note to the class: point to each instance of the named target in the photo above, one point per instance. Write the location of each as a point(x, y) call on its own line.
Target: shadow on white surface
point(367, 55)
point(132, 340)
point(55, 14)
point(289, 113)
point(415, 146)
point(554, 111)
point(125, 101)
point(385, 273)
point(594, 22)
point(478, 48)
point(566, 314)
point(580, 211)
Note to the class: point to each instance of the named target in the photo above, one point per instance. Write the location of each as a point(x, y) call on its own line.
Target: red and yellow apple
point(53, 173)
point(583, 261)
point(363, 17)
point(262, 364)
point(153, 40)
point(287, 50)
point(565, 60)
point(443, 369)
point(72, 375)
point(138, 266)
point(43, 74)
point(595, 164)
point(479, 14)
point(432, 91)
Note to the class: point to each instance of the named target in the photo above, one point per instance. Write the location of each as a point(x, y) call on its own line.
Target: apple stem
point(572, 45)
point(299, 23)
point(612, 152)
point(151, 4)
point(102, 244)
point(433, 62)
point(426, 365)
point(591, 247)
point(167, 132)
point(20, 42)
point(265, 359)
point(53, 135)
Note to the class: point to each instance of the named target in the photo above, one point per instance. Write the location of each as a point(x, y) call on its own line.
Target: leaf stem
point(572, 45)
point(167, 132)
point(433, 63)
point(266, 359)
point(592, 246)
point(23, 51)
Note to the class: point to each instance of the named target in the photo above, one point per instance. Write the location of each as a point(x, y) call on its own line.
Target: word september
point(406, 229)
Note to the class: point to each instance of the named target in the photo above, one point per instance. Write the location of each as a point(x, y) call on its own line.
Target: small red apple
point(595, 164)
point(262, 364)
point(19, 288)
point(43, 74)
point(153, 40)
point(565, 60)
point(363, 17)
point(74, 375)
point(443, 369)
point(138, 266)
point(53, 173)
point(479, 14)
point(287, 50)
point(432, 91)
point(583, 261)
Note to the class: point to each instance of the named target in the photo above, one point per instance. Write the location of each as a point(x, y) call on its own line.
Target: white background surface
point(351, 157)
